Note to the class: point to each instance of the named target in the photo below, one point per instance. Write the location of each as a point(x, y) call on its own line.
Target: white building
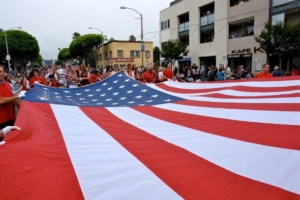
point(207, 25)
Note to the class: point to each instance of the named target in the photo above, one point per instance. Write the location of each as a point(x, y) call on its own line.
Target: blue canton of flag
point(117, 91)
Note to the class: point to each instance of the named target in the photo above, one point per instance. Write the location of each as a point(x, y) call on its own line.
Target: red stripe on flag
point(34, 162)
point(247, 106)
point(224, 96)
point(236, 88)
point(282, 136)
point(187, 174)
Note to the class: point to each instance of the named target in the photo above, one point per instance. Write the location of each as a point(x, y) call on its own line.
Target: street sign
point(142, 48)
point(7, 57)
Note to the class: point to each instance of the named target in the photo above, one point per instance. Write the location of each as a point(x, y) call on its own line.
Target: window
point(120, 53)
point(134, 54)
point(100, 58)
point(165, 24)
point(105, 56)
point(163, 44)
point(110, 54)
point(147, 54)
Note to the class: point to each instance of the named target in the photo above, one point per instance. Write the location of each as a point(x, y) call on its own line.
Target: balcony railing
point(280, 2)
point(184, 27)
point(208, 19)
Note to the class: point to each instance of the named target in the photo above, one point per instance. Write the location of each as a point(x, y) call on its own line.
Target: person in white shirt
point(227, 72)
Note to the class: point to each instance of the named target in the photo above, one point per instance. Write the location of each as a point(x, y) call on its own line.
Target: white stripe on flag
point(260, 116)
point(210, 99)
point(247, 94)
point(249, 83)
point(105, 170)
point(250, 160)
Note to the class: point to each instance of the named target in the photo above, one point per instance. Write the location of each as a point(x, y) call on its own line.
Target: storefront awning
point(246, 55)
point(165, 61)
point(185, 60)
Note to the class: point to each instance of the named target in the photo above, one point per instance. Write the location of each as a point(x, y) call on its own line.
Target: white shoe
point(2, 143)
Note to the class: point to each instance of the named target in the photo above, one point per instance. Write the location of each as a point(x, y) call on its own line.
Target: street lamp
point(142, 42)
point(102, 45)
point(7, 53)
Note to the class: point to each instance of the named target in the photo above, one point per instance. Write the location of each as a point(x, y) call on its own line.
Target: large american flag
point(120, 139)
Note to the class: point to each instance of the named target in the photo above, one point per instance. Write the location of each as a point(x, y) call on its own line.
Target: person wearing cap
point(265, 72)
point(276, 72)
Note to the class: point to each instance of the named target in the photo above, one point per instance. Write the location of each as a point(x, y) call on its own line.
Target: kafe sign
point(241, 51)
point(255, 49)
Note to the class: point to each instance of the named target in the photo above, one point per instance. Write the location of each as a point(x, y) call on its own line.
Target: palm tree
point(111, 39)
point(132, 38)
point(76, 35)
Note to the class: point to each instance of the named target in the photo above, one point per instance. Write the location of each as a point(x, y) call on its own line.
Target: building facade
point(286, 11)
point(219, 32)
point(125, 52)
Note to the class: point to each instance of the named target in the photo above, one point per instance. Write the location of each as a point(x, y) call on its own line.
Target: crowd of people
point(73, 76)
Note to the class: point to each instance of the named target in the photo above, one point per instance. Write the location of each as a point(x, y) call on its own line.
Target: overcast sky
point(52, 22)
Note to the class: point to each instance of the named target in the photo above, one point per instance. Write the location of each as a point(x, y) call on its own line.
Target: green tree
point(174, 50)
point(84, 47)
point(23, 47)
point(132, 38)
point(76, 35)
point(111, 39)
point(64, 54)
point(281, 41)
point(38, 60)
point(156, 55)
point(58, 62)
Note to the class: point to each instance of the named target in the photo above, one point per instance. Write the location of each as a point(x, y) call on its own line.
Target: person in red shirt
point(148, 76)
point(7, 102)
point(294, 71)
point(35, 77)
point(168, 73)
point(265, 72)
